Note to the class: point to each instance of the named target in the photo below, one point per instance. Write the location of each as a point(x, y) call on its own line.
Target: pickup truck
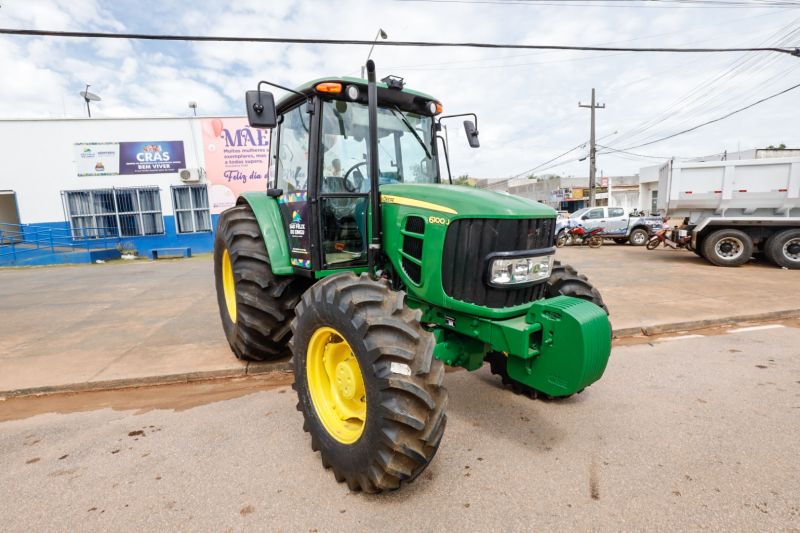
point(616, 224)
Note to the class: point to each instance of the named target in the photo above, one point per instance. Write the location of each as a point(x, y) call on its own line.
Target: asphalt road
point(696, 433)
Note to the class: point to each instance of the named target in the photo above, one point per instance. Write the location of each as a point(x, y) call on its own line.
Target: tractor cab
point(320, 168)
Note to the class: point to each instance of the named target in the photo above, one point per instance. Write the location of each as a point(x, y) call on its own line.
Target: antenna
point(89, 97)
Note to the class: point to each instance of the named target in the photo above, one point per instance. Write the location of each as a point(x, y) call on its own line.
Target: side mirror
point(261, 109)
point(472, 134)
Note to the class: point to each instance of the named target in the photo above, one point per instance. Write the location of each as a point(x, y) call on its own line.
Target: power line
point(644, 4)
point(537, 167)
point(723, 117)
point(693, 101)
point(449, 64)
point(426, 44)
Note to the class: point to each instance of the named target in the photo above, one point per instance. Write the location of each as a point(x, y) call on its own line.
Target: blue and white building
point(76, 185)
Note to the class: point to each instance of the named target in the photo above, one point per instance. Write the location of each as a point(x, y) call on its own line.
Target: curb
point(689, 325)
point(248, 369)
point(285, 365)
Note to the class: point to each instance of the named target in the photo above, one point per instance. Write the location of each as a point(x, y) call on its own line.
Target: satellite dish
point(89, 97)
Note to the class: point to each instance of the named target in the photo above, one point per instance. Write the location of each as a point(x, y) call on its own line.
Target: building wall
point(39, 163)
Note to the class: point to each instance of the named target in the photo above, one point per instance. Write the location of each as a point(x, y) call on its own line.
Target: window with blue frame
point(115, 212)
point(190, 204)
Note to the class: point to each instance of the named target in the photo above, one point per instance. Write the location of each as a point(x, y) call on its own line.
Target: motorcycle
point(675, 239)
point(579, 235)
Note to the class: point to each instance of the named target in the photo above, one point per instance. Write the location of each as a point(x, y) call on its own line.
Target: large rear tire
point(564, 281)
point(368, 386)
point(783, 248)
point(728, 248)
point(256, 307)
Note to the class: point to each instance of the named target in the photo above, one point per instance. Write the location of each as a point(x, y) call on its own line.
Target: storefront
point(148, 183)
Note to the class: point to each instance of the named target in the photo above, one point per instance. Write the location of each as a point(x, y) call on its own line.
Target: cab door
point(616, 221)
point(293, 169)
point(594, 218)
point(343, 185)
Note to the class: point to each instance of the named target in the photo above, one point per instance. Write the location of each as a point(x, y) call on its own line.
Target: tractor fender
point(268, 215)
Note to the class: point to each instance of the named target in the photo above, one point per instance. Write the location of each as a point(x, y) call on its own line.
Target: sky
point(526, 100)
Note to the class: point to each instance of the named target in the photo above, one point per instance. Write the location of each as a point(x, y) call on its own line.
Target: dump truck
point(373, 273)
point(736, 208)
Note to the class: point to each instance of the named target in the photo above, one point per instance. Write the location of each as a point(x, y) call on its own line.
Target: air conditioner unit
point(191, 175)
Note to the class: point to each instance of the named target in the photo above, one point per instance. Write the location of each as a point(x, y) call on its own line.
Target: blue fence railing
point(19, 240)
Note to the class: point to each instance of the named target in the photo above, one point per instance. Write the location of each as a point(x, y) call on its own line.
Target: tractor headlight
point(508, 271)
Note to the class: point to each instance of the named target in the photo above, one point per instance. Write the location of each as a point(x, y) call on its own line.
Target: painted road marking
point(755, 328)
point(682, 337)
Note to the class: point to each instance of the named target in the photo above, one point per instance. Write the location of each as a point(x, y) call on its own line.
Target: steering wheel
point(352, 186)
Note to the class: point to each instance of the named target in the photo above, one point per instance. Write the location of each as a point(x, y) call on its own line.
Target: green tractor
point(373, 274)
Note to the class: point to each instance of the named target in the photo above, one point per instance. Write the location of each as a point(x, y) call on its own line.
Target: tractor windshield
point(405, 148)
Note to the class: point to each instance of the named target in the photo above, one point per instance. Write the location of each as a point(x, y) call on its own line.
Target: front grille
point(470, 240)
point(413, 247)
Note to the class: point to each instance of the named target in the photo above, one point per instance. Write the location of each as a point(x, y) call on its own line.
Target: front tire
point(728, 248)
point(377, 415)
point(653, 243)
point(561, 238)
point(564, 281)
point(256, 307)
point(595, 241)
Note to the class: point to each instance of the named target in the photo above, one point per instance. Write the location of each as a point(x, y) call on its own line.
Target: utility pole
point(592, 150)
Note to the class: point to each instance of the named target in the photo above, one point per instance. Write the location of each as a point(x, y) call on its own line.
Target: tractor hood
point(462, 201)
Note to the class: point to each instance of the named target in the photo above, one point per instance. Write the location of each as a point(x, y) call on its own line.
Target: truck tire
point(564, 281)
point(256, 307)
point(783, 248)
point(639, 237)
point(376, 417)
point(728, 248)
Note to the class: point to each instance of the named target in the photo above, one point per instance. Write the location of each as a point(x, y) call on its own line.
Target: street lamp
point(380, 35)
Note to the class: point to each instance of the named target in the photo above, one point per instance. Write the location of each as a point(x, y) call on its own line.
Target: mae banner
point(151, 157)
point(97, 159)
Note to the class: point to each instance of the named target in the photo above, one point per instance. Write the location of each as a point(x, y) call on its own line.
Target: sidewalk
point(122, 324)
point(648, 290)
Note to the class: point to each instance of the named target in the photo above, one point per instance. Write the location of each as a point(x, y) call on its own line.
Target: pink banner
point(237, 160)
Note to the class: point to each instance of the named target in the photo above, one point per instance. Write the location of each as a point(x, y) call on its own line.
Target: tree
point(464, 179)
point(781, 146)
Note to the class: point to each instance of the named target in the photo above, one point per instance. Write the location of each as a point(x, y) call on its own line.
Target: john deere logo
point(296, 216)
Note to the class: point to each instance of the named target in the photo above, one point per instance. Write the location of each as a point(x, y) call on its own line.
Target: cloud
point(527, 101)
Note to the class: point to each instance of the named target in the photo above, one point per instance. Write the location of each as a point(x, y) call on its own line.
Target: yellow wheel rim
point(228, 286)
point(336, 385)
